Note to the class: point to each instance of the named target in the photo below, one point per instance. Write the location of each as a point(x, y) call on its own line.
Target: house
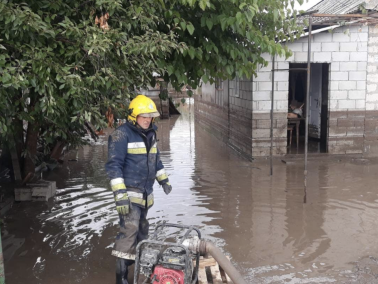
point(343, 104)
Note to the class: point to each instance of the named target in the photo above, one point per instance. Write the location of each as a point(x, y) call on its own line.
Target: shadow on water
point(259, 220)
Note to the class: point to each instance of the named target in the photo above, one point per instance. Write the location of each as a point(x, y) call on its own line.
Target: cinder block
point(340, 37)
point(347, 104)
point(282, 86)
point(357, 95)
point(341, 56)
point(282, 65)
point(42, 190)
point(358, 56)
point(322, 56)
point(264, 105)
point(359, 37)
point(371, 87)
point(261, 95)
point(23, 194)
point(348, 46)
point(337, 131)
point(323, 37)
point(281, 76)
point(357, 75)
point(362, 46)
point(281, 105)
point(264, 86)
point(295, 46)
point(281, 95)
point(371, 97)
point(261, 133)
point(348, 66)
point(339, 76)
point(348, 85)
point(267, 68)
point(360, 104)
point(334, 85)
point(361, 66)
point(333, 104)
point(300, 56)
point(372, 68)
point(372, 77)
point(338, 95)
point(263, 77)
point(371, 106)
point(315, 46)
point(361, 85)
point(330, 46)
point(335, 66)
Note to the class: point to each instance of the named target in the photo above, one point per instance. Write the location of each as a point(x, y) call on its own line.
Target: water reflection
point(259, 220)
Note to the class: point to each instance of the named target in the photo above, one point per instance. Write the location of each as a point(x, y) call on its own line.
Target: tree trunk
point(31, 148)
point(57, 151)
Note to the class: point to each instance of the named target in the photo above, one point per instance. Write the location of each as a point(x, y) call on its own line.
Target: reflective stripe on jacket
point(132, 169)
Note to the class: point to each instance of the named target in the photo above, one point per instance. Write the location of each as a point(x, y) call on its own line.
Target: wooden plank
point(215, 273)
point(202, 278)
point(204, 262)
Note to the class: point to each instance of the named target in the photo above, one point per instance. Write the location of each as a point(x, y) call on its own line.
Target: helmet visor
point(151, 114)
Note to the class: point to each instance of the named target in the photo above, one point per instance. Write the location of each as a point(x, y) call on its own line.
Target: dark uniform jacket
point(134, 164)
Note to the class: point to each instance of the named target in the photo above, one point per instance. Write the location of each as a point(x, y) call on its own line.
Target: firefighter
point(133, 165)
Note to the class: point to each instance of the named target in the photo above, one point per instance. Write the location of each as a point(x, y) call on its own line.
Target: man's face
point(144, 122)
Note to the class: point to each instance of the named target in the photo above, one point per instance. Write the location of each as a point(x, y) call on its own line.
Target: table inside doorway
point(297, 122)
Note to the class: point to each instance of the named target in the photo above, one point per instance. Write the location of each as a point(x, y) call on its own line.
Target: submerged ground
point(260, 221)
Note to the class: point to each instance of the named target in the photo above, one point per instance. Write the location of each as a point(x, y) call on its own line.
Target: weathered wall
point(371, 118)
point(227, 112)
point(353, 96)
point(346, 50)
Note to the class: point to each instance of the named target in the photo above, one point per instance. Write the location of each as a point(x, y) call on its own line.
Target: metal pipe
point(271, 119)
point(2, 273)
point(307, 105)
point(206, 247)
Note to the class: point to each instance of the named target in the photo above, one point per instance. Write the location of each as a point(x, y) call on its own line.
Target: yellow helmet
point(144, 106)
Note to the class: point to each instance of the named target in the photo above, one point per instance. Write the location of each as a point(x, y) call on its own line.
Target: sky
point(307, 4)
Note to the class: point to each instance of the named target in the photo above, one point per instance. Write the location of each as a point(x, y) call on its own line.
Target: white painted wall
point(346, 48)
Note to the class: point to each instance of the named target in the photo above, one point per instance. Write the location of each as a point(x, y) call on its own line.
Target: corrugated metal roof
point(337, 6)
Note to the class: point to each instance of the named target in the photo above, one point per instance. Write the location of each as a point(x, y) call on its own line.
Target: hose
point(206, 247)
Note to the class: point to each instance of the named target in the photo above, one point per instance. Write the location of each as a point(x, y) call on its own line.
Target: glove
point(122, 203)
point(167, 187)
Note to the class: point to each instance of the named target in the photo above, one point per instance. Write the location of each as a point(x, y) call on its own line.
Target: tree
point(59, 68)
point(64, 62)
point(226, 38)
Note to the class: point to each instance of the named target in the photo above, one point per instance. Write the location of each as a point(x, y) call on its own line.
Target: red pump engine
point(167, 276)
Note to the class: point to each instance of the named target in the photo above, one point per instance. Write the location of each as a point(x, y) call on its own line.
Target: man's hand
point(123, 210)
point(167, 188)
point(122, 203)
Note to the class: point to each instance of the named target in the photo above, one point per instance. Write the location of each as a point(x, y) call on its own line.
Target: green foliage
point(59, 69)
point(226, 38)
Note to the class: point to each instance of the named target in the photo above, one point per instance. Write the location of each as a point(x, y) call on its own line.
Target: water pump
point(167, 262)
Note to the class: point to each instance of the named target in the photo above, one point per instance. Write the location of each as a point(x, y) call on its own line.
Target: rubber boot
point(121, 271)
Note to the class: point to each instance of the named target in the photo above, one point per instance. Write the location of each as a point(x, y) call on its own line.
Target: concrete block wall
point(227, 113)
point(346, 50)
point(371, 118)
point(240, 115)
point(351, 52)
point(262, 96)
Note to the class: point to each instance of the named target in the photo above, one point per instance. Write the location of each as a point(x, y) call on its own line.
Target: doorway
point(318, 108)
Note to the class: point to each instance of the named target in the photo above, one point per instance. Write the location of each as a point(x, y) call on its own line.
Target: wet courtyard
point(260, 221)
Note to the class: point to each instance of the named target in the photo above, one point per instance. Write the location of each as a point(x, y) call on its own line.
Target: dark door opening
point(318, 108)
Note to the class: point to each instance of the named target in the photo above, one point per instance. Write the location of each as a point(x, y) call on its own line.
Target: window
point(219, 84)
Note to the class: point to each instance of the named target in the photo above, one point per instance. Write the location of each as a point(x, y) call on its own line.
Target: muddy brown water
point(260, 221)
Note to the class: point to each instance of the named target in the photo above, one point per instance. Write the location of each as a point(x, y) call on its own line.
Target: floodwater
point(260, 221)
